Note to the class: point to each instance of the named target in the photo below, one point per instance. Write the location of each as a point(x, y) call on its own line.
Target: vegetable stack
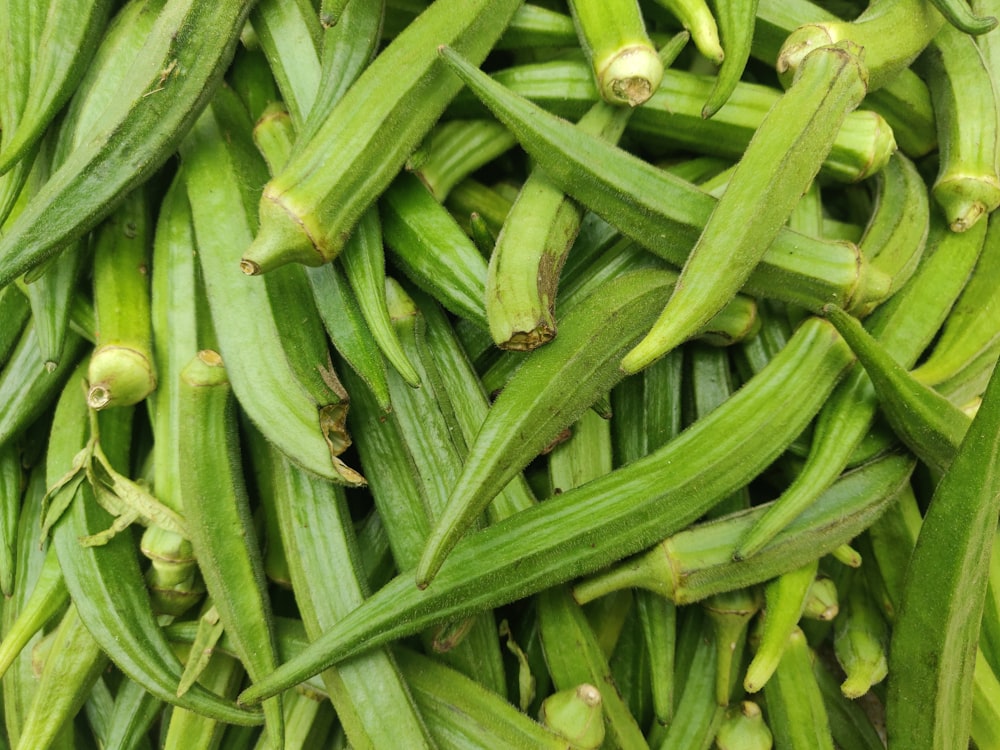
point(482, 373)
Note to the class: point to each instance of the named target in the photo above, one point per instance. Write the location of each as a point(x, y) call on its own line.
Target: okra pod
point(457, 148)
point(122, 371)
point(795, 709)
point(307, 213)
point(827, 86)
point(696, 16)
point(622, 57)
point(860, 641)
point(968, 122)
point(641, 508)
point(736, 22)
point(743, 728)
point(215, 505)
point(973, 324)
point(910, 24)
point(138, 131)
point(264, 381)
point(934, 637)
point(680, 210)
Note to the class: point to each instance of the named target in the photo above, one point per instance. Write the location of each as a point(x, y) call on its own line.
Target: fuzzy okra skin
point(589, 527)
point(174, 75)
point(308, 211)
point(786, 151)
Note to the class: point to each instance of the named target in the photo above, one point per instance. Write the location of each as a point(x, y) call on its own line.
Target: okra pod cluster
point(490, 373)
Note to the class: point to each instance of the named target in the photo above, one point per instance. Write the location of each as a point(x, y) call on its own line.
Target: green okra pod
point(849, 724)
point(622, 57)
point(457, 148)
point(935, 634)
point(68, 675)
point(432, 249)
point(672, 118)
point(138, 131)
point(680, 210)
point(188, 730)
point(67, 39)
point(11, 485)
point(217, 171)
point(14, 313)
point(697, 17)
point(307, 213)
point(736, 22)
point(860, 641)
point(638, 506)
point(215, 505)
point(315, 526)
point(967, 186)
point(926, 421)
point(973, 324)
point(830, 83)
point(695, 563)
point(575, 714)
point(122, 370)
point(795, 709)
point(910, 24)
point(104, 581)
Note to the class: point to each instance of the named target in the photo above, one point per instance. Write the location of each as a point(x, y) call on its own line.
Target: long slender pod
point(934, 637)
point(174, 75)
point(698, 18)
point(973, 324)
point(308, 212)
point(216, 505)
point(105, 582)
point(830, 83)
point(66, 43)
point(968, 121)
point(904, 326)
point(368, 693)
point(795, 709)
point(11, 481)
point(565, 536)
point(736, 22)
point(629, 192)
point(215, 167)
point(622, 57)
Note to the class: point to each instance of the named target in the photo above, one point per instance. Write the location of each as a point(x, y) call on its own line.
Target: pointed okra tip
point(283, 238)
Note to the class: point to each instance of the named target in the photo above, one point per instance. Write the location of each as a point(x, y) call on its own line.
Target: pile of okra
point(499, 374)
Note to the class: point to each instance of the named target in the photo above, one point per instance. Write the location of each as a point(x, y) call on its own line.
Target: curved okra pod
point(829, 83)
point(265, 382)
point(432, 249)
point(910, 24)
point(215, 505)
point(135, 134)
point(961, 17)
point(306, 213)
point(122, 371)
point(363, 260)
point(735, 21)
point(784, 602)
point(672, 118)
point(105, 582)
point(67, 39)
point(968, 121)
point(795, 268)
point(973, 324)
point(455, 149)
point(926, 421)
point(46, 600)
point(904, 325)
point(566, 536)
point(345, 50)
point(622, 57)
point(696, 16)
point(933, 649)
point(15, 311)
